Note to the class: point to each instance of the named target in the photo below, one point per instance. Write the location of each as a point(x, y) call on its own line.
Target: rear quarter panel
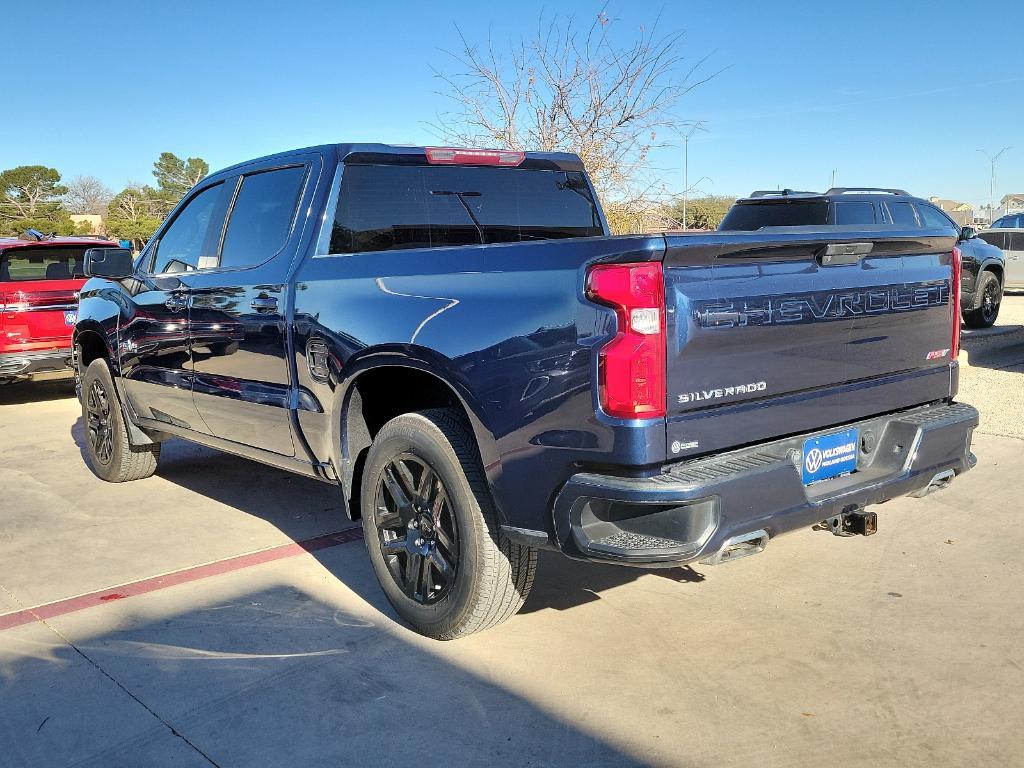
point(507, 327)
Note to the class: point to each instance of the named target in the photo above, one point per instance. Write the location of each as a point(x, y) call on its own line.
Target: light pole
point(992, 175)
point(698, 126)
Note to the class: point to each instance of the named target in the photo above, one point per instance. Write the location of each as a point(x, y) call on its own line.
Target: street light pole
point(686, 175)
point(698, 126)
point(992, 176)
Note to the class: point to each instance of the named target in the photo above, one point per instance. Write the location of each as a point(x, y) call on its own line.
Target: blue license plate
point(70, 318)
point(828, 456)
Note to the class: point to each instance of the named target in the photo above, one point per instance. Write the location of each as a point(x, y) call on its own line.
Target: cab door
point(242, 383)
point(155, 354)
point(1014, 253)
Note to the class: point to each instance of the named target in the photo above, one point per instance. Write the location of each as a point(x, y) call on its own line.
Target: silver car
point(1007, 233)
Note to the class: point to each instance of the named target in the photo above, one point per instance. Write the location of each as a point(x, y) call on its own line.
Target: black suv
point(981, 285)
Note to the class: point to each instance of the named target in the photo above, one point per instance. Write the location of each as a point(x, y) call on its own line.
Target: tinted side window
point(181, 245)
point(1015, 241)
point(747, 217)
point(998, 239)
point(902, 214)
point(262, 216)
point(384, 207)
point(933, 217)
point(855, 213)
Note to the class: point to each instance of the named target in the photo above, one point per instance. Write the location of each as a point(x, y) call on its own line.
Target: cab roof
point(846, 193)
point(396, 154)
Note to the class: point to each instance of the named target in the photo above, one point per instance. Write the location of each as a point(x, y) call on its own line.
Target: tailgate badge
point(720, 392)
point(689, 445)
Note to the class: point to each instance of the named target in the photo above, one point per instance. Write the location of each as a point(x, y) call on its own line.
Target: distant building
point(961, 213)
point(94, 220)
point(1011, 204)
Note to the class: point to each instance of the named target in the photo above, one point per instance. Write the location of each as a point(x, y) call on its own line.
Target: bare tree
point(573, 90)
point(87, 194)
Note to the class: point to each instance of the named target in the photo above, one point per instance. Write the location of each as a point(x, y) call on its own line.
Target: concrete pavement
point(901, 649)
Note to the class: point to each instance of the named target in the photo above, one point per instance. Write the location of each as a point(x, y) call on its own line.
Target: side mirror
point(112, 263)
point(966, 233)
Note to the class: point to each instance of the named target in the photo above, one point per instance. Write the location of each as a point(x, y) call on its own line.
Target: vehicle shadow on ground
point(999, 347)
point(303, 508)
point(23, 392)
point(271, 675)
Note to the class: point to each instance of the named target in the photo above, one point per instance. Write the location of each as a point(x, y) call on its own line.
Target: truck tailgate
point(776, 333)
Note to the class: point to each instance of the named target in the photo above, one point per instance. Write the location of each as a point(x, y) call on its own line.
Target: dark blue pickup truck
point(451, 337)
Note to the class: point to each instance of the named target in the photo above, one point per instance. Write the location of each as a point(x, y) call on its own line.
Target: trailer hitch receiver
point(851, 522)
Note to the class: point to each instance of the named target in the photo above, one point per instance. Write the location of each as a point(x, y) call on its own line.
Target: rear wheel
point(109, 454)
point(431, 530)
point(991, 296)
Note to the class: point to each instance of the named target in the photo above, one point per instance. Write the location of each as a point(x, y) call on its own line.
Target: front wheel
point(109, 454)
point(991, 296)
point(431, 530)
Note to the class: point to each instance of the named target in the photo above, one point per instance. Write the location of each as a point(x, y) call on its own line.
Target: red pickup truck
point(39, 284)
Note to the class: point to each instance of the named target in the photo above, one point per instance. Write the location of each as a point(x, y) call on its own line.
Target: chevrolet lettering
point(812, 307)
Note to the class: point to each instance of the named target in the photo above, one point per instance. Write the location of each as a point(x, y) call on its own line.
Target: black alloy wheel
point(990, 302)
point(99, 423)
point(416, 529)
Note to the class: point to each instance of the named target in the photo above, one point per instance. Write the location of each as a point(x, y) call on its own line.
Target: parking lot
point(223, 613)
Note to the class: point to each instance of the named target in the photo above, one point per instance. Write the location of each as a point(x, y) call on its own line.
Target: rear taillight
point(632, 365)
point(954, 301)
point(21, 301)
point(13, 302)
point(457, 156)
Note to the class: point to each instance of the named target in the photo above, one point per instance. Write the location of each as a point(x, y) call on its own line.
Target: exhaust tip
point(937, 483)
point(744, 545)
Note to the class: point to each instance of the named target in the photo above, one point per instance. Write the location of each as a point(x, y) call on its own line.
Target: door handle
point(264, 304)
point(176, 302)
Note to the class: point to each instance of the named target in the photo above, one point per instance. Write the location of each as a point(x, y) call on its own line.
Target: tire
point(438, 554)
point(109, 454)
point(991, 294)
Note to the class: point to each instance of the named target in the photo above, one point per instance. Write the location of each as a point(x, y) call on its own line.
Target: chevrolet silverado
point(452, 338)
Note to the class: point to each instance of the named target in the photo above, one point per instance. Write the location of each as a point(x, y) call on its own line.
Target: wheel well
point(92, 347)
point(996, 270)
point(379, 395)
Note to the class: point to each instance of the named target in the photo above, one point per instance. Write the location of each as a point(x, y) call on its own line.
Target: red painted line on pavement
point(174, 578)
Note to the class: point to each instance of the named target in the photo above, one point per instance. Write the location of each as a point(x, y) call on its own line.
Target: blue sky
point(885, 93)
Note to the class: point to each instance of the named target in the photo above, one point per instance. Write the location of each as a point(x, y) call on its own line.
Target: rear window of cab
point(24, 264)
point(746, 217)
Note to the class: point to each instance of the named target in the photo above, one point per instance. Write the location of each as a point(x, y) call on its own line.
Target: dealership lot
point(173, 622)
